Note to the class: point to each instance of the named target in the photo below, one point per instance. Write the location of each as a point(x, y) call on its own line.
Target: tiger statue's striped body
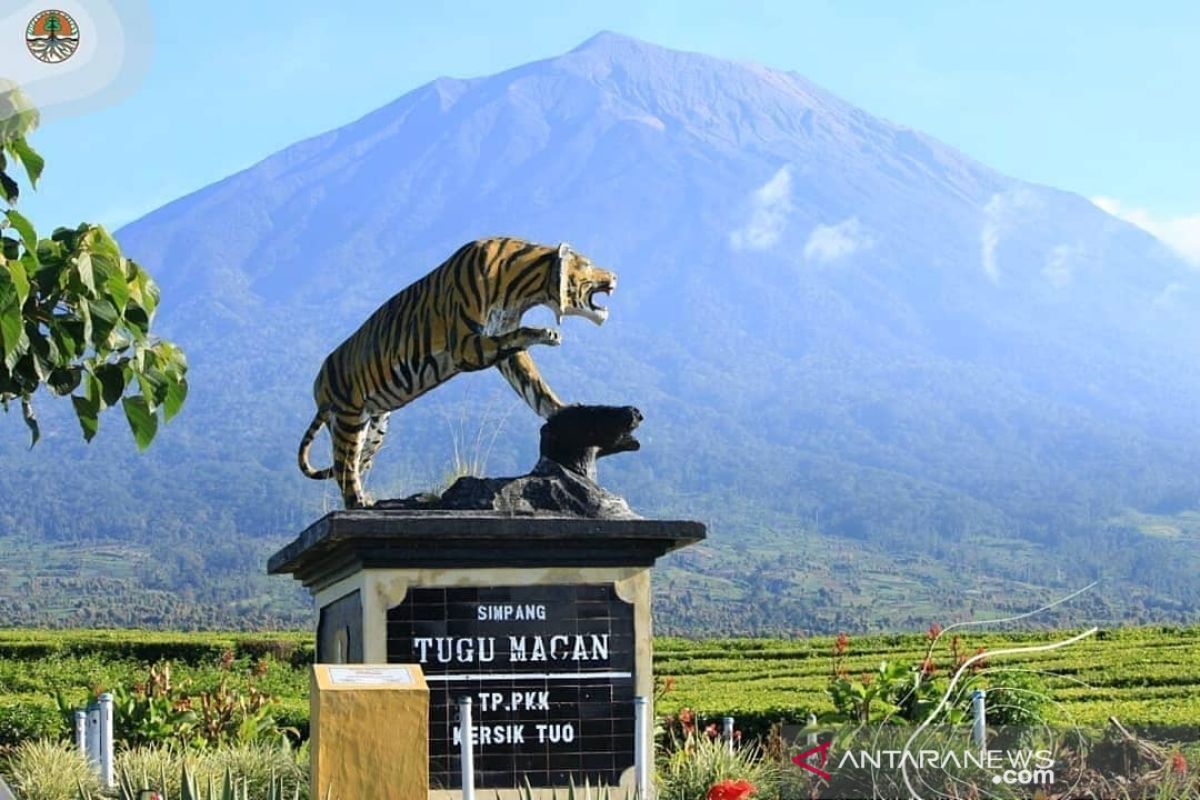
point(463, 316)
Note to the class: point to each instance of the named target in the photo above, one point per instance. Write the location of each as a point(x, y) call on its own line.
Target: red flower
point(712, 731)
point(1179, 764)
point(928, 667)
point(841, 644)
point(731, 790)
point(934, 631)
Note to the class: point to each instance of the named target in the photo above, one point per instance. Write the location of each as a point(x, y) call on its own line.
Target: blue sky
point(1097, 97)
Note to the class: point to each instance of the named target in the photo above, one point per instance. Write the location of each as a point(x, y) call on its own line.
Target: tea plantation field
point(1146, 677)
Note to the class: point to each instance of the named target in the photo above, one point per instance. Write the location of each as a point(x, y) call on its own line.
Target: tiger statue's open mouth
point(598, 311)
point(583, 287)
point(588, 299)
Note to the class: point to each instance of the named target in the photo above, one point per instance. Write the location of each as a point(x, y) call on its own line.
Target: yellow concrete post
point(369, 732)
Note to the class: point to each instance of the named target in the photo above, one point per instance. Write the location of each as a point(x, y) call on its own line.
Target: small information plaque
point(370, 676)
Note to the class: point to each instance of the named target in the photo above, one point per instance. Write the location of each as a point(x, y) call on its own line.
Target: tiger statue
point(462, 317)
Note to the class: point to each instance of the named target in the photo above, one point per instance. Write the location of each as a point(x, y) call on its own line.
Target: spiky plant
point(47, 770)
point(572, 792)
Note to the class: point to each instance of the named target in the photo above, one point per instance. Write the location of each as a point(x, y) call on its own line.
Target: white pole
point(812, 736)
point(81, 731)
point(641, 744)
point(729, 732)
point(106, 740)
point(466, 732)
point(93, 735)
point(979, 728)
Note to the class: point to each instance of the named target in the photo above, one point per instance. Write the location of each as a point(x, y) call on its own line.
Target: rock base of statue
point(562, 482)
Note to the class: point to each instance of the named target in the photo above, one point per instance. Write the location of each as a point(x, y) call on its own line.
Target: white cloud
point(831, 242)
point(1181, 234)
point(1060, 264)
point(997, 219)
point(770, 206)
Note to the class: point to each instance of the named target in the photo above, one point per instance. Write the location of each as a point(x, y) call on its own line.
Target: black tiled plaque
point(550, 670)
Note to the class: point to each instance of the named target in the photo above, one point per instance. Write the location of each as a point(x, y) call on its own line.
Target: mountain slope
point(834, 325)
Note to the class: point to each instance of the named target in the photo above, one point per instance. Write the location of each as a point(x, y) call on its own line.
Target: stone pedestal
point(543, 620)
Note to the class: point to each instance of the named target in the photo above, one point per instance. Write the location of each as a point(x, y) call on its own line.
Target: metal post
point(812, 735)
point(466, 732)
point(979, 728)
point(81, 731)
point(641, 744)
point(106, 740)
point(93, 735)
point(729, 732)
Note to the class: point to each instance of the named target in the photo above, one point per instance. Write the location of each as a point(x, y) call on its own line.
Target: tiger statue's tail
point(314, 427)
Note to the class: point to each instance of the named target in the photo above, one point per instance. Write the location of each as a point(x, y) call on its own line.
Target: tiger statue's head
point(579, 282)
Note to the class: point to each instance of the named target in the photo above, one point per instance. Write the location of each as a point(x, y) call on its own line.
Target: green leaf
point(153, 384)
point(64, 381)
point(31, 421)
point(176, 393)
point(112, 383)
point(32, 162)
point(9, 188)
point(104, 318)
point(138, 321)
point(88, 412)
point(20, 348)
point(17, 115)
point(83, 268)
point(20, 281)
point(142, 421)
point(85, 318)
point(103, 252)
point(12, 323)
point(68, 335)
point(25, 228)
point(147, 289)
point(91, 388)
point(43, 350)
point(118, 289)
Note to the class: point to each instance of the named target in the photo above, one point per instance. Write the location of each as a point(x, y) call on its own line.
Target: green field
point(1146, 677)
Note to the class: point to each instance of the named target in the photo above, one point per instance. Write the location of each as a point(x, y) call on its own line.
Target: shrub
point(1017, 697)
point(26, 721)
point(159, 710)
point(282, 650)
point(700, 763)
point(47, 770)
point(257, 764)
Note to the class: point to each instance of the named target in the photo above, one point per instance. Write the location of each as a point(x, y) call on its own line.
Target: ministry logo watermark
point(52, 36)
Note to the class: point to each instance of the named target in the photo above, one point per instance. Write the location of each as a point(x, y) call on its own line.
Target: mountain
point(897, 383)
